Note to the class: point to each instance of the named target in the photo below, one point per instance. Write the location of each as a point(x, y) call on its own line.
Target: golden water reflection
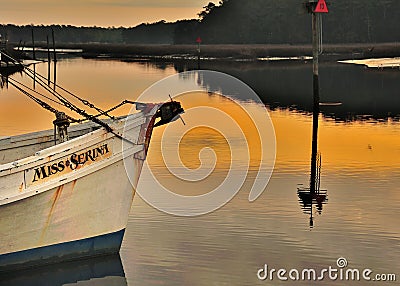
point(360, 168)
point(356, 147)
point(351, 148)
point(104, 83)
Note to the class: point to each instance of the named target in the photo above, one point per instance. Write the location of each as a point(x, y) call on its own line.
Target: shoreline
point(134, 52)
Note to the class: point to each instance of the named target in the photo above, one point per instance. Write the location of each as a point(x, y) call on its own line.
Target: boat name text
point(75, 161)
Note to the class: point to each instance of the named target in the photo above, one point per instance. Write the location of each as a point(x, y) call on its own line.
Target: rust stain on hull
point(56, 196)
point(73, 185)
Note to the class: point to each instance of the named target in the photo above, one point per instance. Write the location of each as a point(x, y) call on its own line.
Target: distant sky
point(101, 13)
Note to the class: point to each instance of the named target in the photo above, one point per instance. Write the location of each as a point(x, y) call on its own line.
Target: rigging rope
point(94, 118)
point(84, 101)
point(66, 102)
point(116, 107)
point(61, 98)
point(42, 103)
point(32, 90)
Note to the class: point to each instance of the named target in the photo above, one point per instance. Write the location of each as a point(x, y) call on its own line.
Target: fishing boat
point(66, 193)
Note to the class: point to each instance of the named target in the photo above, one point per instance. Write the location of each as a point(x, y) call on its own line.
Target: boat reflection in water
point(7, 65)
point(103, 270)
point(6, 71)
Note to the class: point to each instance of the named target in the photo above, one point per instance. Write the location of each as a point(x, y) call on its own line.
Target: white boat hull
point(71, 200)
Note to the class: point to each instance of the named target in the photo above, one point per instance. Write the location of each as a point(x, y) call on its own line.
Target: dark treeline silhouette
point(241, 22)
point(63, 34)
point(155, 33)
point(286, 21)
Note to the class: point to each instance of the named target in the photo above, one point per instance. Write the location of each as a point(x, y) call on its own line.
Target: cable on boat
point(116, 107)
point(62, 120)
point(69, 104)
point(32, 74)
point(29, 72)
point(72, 106)
point(63, 100)
point(84, 101)
point(42, 103)
point(57, 95)
point(32, 90)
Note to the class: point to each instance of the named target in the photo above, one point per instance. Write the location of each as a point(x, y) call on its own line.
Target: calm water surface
point(360, 170)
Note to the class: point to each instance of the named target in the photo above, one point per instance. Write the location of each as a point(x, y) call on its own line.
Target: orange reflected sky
point(356, 146)
point(224, 127)
point(102, 13)
point(20, 115)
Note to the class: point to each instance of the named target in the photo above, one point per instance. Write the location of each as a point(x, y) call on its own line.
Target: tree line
point(287, 22)
point(240, 22)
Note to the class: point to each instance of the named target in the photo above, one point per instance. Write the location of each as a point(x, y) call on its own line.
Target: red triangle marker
point(198, 40)
point(321, 7)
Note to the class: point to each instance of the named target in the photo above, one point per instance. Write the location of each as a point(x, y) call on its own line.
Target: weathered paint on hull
point(71, 200)
point(90, 206)
point(89, 247)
